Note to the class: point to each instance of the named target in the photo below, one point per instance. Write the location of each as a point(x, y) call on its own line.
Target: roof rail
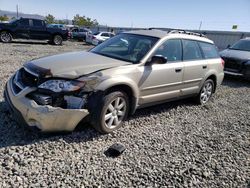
point(187, 33)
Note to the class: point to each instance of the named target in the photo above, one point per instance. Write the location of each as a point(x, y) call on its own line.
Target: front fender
point(115, 81)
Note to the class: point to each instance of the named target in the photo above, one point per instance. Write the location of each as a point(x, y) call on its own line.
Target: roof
point(161, 34)
point(151, 33)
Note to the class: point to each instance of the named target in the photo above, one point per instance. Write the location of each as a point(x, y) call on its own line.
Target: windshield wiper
point(115, 57)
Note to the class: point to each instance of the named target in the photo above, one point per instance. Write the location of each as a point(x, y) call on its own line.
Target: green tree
point(84, 21)
point(4, 18)
point(50, 19)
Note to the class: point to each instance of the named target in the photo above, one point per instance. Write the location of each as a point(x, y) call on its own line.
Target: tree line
point(77, 20)
point(4, 18)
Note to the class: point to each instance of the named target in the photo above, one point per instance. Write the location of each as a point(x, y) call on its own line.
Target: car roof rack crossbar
point(187, 33)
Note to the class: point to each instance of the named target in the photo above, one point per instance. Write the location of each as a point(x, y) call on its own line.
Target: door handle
point(178, 70)
point(204, 66)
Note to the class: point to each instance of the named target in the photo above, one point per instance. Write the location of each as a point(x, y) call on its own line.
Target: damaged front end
point(50, 104)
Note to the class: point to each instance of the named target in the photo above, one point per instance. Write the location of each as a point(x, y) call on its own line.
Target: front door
point(161, 82)
point(22, 30)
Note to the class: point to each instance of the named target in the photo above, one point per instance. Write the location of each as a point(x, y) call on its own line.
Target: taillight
point(222, 62)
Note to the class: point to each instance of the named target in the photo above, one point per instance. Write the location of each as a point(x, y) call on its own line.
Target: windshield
point(241, 45)
point(13, 21)
point(96, 33)
point(126, 47)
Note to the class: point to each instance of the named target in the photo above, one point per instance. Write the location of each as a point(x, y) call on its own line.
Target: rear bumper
point(220, 78)
point(46, 118)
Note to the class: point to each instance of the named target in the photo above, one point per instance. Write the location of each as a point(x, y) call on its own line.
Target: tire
point(206, 92)
point(57, 40)
point(5, 37)
point(114, 107)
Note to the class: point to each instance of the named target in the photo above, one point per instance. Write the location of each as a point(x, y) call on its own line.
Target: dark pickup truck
point(26, 28)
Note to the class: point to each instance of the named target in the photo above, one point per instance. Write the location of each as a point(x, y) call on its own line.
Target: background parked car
point(70, 28)
point(27, 28)
point(80, 33)
point(237, 58)
point(98, 37)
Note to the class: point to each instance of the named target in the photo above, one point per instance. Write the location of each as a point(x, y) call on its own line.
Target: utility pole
point(16, 11)
point(67, 21)
point(200, 25)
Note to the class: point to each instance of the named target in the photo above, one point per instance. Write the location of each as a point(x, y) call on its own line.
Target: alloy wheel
point(206, 92)
point(115, 112)
point(57, 40)
point(5, 37)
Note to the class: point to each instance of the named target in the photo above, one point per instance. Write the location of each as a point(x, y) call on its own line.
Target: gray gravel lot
point(179, 144)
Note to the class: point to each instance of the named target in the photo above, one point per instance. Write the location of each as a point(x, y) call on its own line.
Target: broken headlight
point(62, 85)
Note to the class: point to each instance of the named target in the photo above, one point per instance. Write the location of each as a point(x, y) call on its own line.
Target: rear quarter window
point(209, 50)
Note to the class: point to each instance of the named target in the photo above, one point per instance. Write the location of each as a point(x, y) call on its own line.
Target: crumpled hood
point(236, 54)
point(73, 64)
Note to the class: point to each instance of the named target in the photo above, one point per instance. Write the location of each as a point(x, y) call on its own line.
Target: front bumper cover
point(46, 118)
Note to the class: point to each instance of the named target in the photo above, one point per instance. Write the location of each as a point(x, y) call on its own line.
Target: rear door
point(38, 30)
point(195, 67)
point(163, 81)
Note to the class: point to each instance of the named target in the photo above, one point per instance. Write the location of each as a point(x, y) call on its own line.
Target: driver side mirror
point(158, 59)
point(228, 46)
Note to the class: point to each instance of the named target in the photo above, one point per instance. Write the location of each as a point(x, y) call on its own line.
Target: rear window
point(105, 34)
point(209, 50)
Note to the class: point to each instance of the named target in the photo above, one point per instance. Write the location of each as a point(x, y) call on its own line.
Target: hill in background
point(11, 14)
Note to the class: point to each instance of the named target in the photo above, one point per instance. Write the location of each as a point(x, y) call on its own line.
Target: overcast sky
point(185, 14)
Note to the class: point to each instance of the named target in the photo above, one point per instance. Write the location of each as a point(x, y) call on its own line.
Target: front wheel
point(57, 40)
point(110, 113)
point(206, 92)
point(5, 37)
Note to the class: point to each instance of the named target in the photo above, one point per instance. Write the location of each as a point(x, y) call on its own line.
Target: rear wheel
point(5, 37)
point(206, 92)
point(57, 40)
point(110, 113)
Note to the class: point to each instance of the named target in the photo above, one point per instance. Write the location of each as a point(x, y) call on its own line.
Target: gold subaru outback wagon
point(109, 82)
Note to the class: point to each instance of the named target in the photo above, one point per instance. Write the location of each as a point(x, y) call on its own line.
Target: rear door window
point(37, 23)
point(209, 50)
point(191, 50)
point(171, 49)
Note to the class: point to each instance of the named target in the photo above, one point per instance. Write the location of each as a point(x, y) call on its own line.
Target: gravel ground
point(178, 144)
